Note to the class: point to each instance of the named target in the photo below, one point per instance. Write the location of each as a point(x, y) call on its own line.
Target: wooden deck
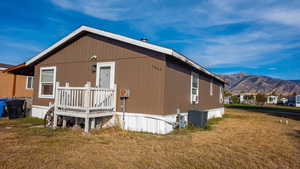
point(84, 102)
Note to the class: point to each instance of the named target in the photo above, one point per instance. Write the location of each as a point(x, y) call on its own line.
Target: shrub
point(261, 99)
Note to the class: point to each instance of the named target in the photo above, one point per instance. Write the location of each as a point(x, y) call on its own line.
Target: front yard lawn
point(244, 139)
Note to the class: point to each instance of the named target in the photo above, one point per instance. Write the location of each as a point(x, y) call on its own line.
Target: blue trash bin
point(2, 106)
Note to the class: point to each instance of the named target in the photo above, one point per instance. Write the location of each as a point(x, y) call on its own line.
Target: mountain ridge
point(251, 83)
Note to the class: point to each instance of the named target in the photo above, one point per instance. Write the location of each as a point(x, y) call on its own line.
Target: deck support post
point(93, 122)
point(55, 121)
point(55, 106)
point(64, 125)
point(87, 106)
point(76, 121)
point(86, 125)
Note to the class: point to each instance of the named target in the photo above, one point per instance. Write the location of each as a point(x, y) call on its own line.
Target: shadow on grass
point(279, 111)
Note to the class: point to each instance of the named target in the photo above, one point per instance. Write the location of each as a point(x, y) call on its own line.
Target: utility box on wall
point(124, 93)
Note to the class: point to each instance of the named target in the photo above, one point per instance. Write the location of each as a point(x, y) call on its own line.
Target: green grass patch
point(265, 108)
point(209, 126)
point(31, 120)
point(45, 132)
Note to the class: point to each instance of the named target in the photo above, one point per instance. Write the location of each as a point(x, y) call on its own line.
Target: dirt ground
point(244, 139)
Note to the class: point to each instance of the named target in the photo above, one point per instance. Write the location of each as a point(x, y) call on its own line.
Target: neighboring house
point(298, 101)
point(12, 85)
point(247, 98)
point(157, 81)
point(294, 101)
point(283, 101)
point(227, 100)
point(272, 100)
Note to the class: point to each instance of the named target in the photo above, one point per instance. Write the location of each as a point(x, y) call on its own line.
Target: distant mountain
point(296, 81)
point(241, 82)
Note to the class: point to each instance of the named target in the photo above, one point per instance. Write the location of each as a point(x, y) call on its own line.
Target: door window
point(105, 75)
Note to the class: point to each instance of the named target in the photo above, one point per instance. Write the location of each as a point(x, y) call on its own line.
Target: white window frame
point(54, 80)
point(197, 89)
point(26, 87)
point(211, 88)
point(112, 76)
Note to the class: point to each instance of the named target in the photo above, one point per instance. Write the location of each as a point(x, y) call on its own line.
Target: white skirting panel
point(39, 111)
point(213, 113)
point(159, 124)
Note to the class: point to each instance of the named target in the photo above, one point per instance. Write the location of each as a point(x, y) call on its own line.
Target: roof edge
point(126, 40)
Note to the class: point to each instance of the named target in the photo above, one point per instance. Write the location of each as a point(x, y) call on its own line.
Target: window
point(211, 88)
point(47, 80)
point(194, 88)
point(221, 95)
point(29, 82)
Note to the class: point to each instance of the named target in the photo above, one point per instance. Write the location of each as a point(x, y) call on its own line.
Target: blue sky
point(226, 36)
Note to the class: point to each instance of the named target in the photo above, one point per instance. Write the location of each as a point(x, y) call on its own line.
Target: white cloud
point(20, 45)
point(283, 16)
point(274, 25)
point(104, 9)
point(272, 68)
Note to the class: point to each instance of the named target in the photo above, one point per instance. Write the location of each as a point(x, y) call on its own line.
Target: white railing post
point(56, 97)
point(87, 95)
point(87, 105)
point(67, 95)
point(56, 102)
point(115, 98)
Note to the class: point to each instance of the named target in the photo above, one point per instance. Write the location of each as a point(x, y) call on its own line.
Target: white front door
point(105, 77)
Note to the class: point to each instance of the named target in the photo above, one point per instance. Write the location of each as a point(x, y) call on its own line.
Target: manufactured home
point(272, 99)
point(93, 75)
point(12, 85)
point(294, 101)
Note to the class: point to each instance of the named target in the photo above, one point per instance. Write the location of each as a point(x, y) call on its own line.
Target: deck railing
point(85, 99)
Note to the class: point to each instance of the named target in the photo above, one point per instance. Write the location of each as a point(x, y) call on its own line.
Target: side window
point(194, 88)
point(47, 82)
point(29, 82)
point(211, 88)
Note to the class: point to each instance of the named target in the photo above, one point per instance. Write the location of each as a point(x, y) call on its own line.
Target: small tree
point(235, 100)
point(261, 99)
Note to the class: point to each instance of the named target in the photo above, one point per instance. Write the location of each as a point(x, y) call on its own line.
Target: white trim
point(139, 43)
point(112, 75)
point(54, 80)
point(26, 87)
point(2, 68)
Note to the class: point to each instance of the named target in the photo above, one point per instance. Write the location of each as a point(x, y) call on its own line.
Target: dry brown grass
point(244, 140)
